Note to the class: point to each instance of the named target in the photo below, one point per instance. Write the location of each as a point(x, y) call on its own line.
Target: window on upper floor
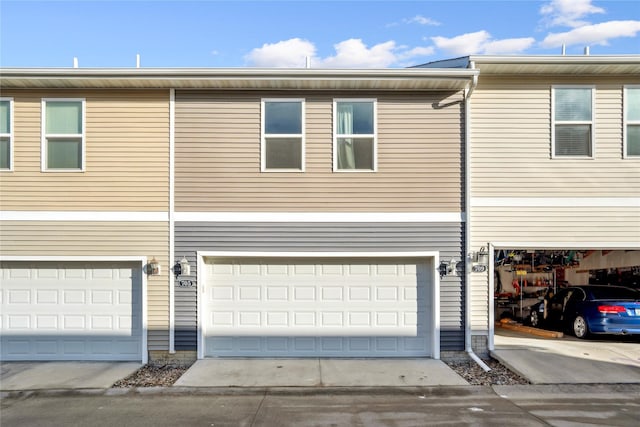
point(354, 135)
point(63, 134)
point(572, 119)
point(632, 121)
point(6, 134)
point(282, 147)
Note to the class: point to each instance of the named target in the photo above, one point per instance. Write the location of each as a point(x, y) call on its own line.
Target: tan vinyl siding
point(576, 225)
point(218, 155)
point(101, 239)
point(127, 154)
point(511, 158)
point(511, 143)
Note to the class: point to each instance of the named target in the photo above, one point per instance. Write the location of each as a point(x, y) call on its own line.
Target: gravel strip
point(153, 375)
point(475, 375)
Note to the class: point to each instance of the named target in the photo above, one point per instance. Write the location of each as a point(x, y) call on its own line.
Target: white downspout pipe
point(467, 222)
point(172, 289)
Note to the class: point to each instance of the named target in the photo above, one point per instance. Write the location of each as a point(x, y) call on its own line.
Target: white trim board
point(141, 259)
point(83, 216)
point(319, 217)
point(556, 202)
point(430, 256)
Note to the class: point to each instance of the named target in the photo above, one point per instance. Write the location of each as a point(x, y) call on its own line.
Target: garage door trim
point(141, 259)
point(432, 258)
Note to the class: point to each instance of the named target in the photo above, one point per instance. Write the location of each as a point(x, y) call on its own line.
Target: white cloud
point(352, 53)
point(290, 53)
point(508, 46)
point(419, 19)
point(597, 34)
point(416, 51)
point(463, 44)
point(481, 42)
point(568, 12)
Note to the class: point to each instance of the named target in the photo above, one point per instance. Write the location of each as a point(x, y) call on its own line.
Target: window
point(63, 135)
point(572, 122)
point(354, 129)
point(632, 122)
point(6, 134)
point(282, 147)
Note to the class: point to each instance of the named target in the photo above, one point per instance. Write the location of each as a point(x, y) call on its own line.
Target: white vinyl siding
point(354, 135)
point(6, 134)
point(573, 126)
point(63, 135)
point(282, 142)
point(632, 121)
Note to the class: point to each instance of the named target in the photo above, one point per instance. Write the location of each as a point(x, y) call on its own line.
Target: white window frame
point(591, 122)
point(264, 136)
point(9, 135)
point(44, 146)
point(626, 122)
point(374, 135)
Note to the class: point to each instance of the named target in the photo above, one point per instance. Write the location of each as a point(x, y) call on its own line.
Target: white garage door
point(316, 308)
point(71, 311)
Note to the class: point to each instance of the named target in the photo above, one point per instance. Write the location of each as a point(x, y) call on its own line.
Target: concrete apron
point(568, 360)
point(319, 373)
point(63, 375)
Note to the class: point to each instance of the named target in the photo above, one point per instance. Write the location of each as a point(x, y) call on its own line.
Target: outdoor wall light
point(482, 257)
point(153, 267)
point(448, 268)
point(182, 268)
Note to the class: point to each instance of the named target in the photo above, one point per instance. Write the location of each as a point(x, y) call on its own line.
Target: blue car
point(590, 309)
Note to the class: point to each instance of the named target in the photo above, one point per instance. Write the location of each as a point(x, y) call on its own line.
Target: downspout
point(172, 297)
point(467, 222)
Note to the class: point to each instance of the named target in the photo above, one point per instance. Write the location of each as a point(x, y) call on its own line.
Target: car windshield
point(615, 293)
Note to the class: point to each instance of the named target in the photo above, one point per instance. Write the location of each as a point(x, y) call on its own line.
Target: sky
point(331, 33)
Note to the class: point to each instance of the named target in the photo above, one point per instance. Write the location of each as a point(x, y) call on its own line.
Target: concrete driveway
point(319, 373)
point(62, 375)
point(568, 360)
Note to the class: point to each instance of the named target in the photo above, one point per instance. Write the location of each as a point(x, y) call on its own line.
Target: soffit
point(558, 65)
point(273, 79)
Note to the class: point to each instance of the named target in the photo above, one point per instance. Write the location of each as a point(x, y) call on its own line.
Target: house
point(554, 177)
point(183, 213)
point(84, 196)
point(258, 213)
point(317, 206)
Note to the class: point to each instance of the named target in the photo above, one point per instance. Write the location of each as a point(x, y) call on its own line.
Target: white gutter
point(467, 223)
point(241, 78)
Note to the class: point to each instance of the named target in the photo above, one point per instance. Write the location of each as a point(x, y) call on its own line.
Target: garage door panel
point(312, 346)
point(359, 308)
point(71, 311)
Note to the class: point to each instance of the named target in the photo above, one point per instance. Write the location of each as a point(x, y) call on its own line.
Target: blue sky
point(333, 33)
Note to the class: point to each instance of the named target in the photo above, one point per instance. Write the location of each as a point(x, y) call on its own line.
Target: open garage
point(530, 283)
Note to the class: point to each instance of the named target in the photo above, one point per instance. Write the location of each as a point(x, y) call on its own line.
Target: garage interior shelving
point(522, 277)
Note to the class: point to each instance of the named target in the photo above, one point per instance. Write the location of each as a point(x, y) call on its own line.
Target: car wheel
point(580, 327)
point(534, 318)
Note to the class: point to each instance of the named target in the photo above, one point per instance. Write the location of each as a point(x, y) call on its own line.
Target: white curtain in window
point(346, 148)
